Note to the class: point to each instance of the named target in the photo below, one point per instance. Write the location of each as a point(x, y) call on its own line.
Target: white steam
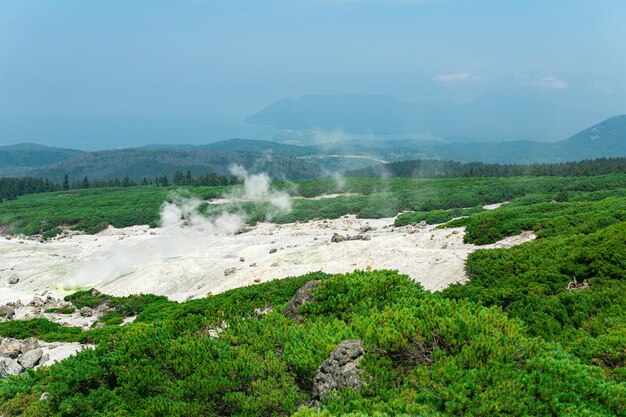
point(184, 228)
point(256, 187)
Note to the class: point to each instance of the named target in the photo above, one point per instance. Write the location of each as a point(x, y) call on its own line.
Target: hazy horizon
point(94, 75)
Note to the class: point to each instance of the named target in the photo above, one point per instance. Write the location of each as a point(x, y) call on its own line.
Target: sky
point(114, 73)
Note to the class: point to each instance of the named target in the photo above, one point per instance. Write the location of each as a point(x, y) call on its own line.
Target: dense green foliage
point(514, 340)
point(92, 210)
point(435, 216)
point(168, 362)
point(89, 210)
point(529, 283)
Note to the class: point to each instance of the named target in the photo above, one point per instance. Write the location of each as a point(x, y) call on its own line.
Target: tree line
point(423, 168)
point(11, 188)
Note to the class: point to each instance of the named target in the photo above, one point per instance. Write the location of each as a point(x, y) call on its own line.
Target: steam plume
point(184, 227)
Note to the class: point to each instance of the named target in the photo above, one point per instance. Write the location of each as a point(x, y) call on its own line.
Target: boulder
point(102, 309)
point(10, 348)
point(229, 271)
point(7, 312)
point(9, 367)
point(337, 238)
point(86, 312)
point(14, 279)
point(340, 370)
point(302, 296)
point(37, 302)
point(341, 238)
point(273, 250)
point(29, 344)
point(30, 358)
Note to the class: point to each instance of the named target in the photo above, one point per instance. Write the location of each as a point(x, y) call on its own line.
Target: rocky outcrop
point(86, 312)
point(302, 296)
point(7, 312)
point(54, 309)
point(16, 356)
point(336, 238)
point(340, 370)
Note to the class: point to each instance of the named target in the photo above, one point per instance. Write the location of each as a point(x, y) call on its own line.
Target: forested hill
point(138, 163)
point(261, 146)
point(425, 168)
point(30, 155)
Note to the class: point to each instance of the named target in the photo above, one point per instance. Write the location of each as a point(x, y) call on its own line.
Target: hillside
point(607, 138)
point(260, 146)
point(139, 162)
point(29, 155)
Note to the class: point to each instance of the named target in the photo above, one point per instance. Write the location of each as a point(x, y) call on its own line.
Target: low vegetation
point(426, 354)
point(539, 329)
point(92, 210)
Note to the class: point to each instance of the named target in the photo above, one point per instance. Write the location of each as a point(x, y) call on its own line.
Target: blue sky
point(120, 72)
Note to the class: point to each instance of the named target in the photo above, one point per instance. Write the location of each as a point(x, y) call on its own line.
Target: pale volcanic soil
point(185, 263)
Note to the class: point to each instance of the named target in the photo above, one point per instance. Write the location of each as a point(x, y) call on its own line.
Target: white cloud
point(459, 76)
point(552, 83)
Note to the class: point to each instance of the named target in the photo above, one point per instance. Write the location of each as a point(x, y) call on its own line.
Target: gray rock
point(229, 271)
point(37, 302)
point(9, 367)
point(337, 238)
point(45, 358)
point(242, 259)
point(341, 238)
point(30, 358)
point(273, 250)
point(7, 312)
point(29, 344)
point(10, 348)
point(301, 297)
point(341, 369)
point(366, 228)
point(86, 312)
point(102, 309)
point(14, 279)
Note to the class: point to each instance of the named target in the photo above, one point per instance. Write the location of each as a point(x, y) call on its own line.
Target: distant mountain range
point(288, 161)
point(487, 118)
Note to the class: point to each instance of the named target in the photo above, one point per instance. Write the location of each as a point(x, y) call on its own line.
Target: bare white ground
point(192, 264)
point(220, 201)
